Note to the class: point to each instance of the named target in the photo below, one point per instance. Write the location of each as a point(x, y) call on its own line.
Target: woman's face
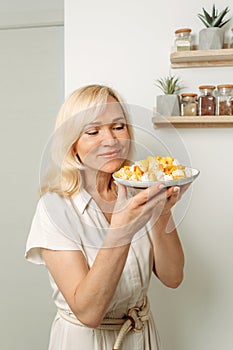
point(104, 143)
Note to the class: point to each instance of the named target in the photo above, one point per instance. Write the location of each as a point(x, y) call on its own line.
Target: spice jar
point(188, 104)
point(183, 39)
point(206, 100)
point(224, 104)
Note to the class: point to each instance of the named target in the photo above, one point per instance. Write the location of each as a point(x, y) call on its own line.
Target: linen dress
point(78, 224)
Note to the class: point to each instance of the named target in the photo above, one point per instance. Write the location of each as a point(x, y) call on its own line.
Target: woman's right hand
point(131, 214)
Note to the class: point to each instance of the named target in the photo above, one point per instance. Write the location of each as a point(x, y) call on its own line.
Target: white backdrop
point(126, 45)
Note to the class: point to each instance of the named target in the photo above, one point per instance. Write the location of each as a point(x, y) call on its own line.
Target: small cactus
point(216, 19)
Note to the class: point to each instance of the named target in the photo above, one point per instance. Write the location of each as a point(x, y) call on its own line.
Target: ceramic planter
point(211, 38)
point(168, 105)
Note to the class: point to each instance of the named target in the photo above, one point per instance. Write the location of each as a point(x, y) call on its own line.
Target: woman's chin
point(111, 166)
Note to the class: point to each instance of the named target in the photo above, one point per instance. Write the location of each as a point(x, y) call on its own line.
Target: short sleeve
point(47, 231)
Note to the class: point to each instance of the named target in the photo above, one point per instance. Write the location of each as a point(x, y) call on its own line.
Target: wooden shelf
point(194, 122)
point(202, 58)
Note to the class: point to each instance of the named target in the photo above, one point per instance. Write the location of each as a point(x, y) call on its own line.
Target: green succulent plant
point(215, 19)
point(169, 85)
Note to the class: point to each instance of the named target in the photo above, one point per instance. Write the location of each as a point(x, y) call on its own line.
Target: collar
point(81, 200)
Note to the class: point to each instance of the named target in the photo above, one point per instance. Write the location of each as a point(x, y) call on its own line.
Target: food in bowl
point(154, 169)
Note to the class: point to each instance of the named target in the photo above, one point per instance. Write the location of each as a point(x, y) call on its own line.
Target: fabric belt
point(134, 320)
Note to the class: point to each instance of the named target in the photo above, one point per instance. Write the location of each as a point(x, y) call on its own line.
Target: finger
point(176, 190)
point(155, 189)
point(174, 197)
point(157, 201)
point(173, 191)
point(145, 195)
point(122, 193)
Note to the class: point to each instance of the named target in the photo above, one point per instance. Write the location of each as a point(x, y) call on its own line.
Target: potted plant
point(169, 103)
point(212, 37)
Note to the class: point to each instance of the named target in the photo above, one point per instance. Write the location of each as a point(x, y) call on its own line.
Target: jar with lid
point(206, 100)
point(224, 104)
point(183, 39)
point(188, 104)
point(231, 42)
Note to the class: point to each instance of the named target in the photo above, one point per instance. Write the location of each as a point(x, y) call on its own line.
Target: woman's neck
point(99, 184)
point(102, 189)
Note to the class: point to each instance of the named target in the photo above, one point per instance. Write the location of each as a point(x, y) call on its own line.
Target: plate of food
point(146, 172)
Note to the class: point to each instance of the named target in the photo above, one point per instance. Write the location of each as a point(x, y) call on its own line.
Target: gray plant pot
point(211, 38)
point(168, 105)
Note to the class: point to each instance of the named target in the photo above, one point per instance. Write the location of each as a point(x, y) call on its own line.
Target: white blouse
point(78, 224)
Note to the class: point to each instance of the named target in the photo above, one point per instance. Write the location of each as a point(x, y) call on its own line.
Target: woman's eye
point(119, 127)
point(92, 132)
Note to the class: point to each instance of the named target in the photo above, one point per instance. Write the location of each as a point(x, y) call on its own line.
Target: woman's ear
point(74, 153)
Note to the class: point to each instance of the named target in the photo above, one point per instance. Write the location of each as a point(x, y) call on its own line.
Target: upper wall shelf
point(194, 122)
point(202, 58)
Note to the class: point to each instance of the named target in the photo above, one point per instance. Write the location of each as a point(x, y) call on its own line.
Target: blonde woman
point(99, 243)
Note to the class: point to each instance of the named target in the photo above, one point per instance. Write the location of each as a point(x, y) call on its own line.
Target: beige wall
point(126, 44)
point(31, 90)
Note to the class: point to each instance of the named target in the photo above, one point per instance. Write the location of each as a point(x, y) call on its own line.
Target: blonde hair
point(62, 170)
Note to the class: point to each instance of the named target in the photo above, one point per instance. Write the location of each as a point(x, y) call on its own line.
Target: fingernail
point(161, 186)
point(176, 189)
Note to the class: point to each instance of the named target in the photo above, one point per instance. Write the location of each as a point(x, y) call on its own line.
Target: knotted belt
point(133, 320)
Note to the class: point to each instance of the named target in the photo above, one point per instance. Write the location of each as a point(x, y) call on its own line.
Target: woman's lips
point(111, 154)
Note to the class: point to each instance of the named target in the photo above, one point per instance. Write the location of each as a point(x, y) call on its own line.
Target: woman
point(99, 242)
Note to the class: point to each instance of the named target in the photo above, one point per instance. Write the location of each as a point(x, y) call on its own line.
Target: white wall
point(31, 89)
point(126, 45)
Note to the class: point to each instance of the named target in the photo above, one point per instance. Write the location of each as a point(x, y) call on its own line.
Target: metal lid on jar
point(188, 95)
point(204, 87)
point(225, 86)
point(183, 30)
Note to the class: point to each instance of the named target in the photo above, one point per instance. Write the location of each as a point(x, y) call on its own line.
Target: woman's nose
point(109, 137)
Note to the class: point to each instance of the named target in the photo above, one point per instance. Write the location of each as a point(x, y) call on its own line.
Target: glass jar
point(224, 100)
point(231, 42)
point(183, 39)
point(188, 104)
point(206, 100)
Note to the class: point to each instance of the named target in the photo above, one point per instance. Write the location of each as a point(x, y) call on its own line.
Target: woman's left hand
point(171, 196)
